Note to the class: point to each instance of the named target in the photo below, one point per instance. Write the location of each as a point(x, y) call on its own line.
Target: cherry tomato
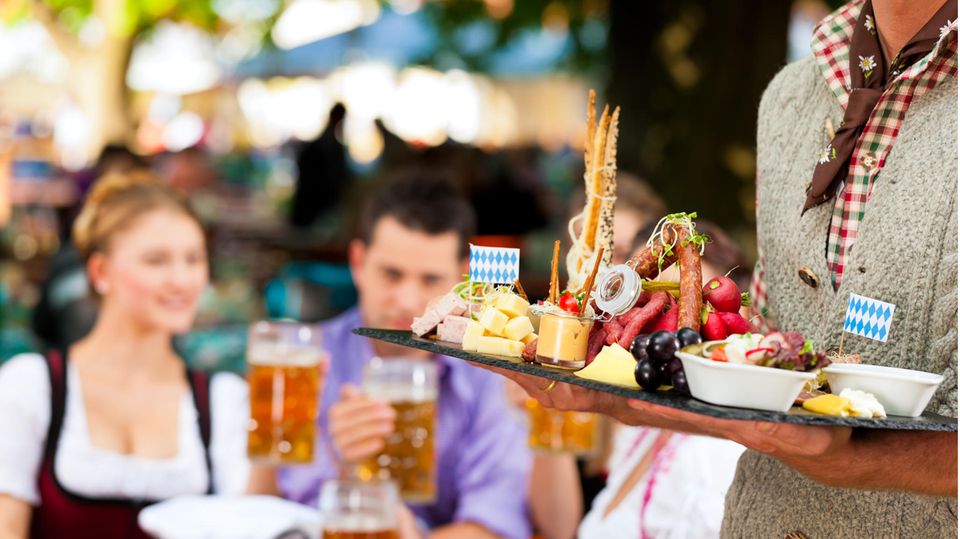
point(719, 354)
point(569, 303)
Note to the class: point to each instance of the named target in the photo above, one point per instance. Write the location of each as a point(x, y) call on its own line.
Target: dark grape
point(646, 375)
point(679, 382)
point(640, 342)
point(663, 345)
point(688, 336)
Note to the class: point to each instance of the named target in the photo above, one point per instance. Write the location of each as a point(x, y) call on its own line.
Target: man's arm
point(922, 462)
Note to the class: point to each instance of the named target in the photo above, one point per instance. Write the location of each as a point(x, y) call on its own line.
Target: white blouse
point(680, 495)
point(89, 471)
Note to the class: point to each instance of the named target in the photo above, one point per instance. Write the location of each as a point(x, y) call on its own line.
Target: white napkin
point(228, 517)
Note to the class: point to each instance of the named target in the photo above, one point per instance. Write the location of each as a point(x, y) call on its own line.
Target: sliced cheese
point(474, 331)
point(499, 346)
point(518, 328)
point(613, 365)
point(493, 320)
point(529, 338)
point(512, 305)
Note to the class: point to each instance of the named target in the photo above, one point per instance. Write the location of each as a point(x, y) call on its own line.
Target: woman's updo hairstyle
point(115, 201)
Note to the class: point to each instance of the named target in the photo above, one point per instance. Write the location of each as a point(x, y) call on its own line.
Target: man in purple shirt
point(412, 248)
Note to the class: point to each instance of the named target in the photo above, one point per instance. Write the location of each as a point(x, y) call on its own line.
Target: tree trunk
point(689, 76)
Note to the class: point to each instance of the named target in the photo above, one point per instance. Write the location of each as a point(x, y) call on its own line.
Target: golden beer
point(408, 456)
point(553, 430)
point(284, 381)
point(359, 510)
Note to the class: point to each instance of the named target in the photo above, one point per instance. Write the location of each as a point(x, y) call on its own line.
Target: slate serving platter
point(926, 422)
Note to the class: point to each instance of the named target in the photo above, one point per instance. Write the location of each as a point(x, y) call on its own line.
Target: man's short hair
point(420, 200)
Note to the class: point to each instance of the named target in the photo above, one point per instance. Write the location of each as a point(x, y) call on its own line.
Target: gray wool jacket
point(905, 254)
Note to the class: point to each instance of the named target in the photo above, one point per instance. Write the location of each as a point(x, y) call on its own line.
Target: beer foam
point(398, 392)
point(284, 355)
point(359, 521)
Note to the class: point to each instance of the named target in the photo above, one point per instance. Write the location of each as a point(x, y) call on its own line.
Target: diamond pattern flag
point(868, 318)
point(497, 265)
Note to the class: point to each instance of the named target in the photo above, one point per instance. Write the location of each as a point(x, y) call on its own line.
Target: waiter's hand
point(359, 425)
point(922, 462)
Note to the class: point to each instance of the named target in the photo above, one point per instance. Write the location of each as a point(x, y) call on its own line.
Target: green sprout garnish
point(681, 220)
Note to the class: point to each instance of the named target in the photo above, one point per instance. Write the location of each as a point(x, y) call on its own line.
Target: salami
point(596, 341)
point(653, 308)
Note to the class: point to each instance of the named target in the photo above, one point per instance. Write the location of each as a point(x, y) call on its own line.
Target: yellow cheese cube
point(474, 331)
point(493, 320)
point(499, 346)
point(512, 305)
point(529, 338)
point(518, 328)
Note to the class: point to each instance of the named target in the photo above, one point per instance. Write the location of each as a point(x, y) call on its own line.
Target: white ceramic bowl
point(742, 386)
point(901, 392)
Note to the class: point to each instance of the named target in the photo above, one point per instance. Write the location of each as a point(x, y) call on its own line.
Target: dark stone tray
point(926, 422)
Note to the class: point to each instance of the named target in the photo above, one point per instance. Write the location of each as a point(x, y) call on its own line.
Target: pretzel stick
point(520, 292)
point(589, 285)
point(554, 280)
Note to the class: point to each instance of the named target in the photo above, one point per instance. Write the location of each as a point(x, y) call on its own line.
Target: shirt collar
point(831, 48)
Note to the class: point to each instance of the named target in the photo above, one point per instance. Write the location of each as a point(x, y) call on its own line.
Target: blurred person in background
point(66, 310)
point(662, 483)
point(411, 248)
point(637, 207)
point(322, 173)
point(91, 434)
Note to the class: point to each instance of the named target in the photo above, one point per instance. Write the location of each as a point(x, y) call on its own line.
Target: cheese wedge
point(499, 346)
point(493, 320)
point(613, 365)
point(518, 328)
point(512, 305)
point(474, 331)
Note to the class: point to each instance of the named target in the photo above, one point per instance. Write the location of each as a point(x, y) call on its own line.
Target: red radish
point(757, 354)
point(667, 321)
point(723, 294)
point(713, 328)
point(734, 323)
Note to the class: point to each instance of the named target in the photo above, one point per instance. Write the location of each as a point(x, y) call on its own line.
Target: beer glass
point(410, 386)
point(359, 510)
point(283, 374)
point(553, 430)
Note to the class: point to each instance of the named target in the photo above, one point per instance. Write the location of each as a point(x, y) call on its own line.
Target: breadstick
point(589, 286)
point(554, 278)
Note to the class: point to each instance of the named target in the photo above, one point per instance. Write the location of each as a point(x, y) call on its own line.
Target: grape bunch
point(657, 364)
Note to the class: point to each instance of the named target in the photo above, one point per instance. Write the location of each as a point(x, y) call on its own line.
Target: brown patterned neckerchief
point(869, 75)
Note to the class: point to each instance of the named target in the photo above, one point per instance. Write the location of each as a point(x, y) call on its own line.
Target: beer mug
point(553, 430)
point(410, 386)
point(359, 510)
point(283, 374)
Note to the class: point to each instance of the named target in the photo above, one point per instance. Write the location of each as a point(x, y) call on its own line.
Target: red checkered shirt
point(831, 49)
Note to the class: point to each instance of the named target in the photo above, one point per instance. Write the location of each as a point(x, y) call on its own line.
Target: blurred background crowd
point(277, 116)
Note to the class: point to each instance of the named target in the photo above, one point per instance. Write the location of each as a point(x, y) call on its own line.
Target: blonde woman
point(92, 434)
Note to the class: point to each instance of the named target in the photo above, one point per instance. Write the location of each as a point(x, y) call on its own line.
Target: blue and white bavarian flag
point(868, 318)
point(497, 265)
